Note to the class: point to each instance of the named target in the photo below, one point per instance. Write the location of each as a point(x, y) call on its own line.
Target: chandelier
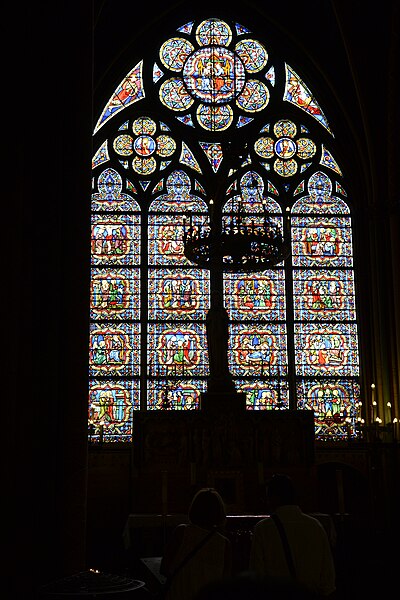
point(238, 242)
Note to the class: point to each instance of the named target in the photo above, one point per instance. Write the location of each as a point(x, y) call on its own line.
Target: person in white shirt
point(309, 548)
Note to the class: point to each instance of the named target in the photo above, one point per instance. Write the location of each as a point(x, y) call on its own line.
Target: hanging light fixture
point(238, 242)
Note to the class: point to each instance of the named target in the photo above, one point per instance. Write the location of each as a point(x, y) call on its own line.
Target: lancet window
point(214, 124)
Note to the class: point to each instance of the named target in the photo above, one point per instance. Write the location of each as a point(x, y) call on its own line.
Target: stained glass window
point(216, 107)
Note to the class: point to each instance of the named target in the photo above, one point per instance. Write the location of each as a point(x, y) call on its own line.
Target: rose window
point(214, 80)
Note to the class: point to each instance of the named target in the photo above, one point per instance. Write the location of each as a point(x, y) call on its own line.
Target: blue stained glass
point(111, 406)
point(259, 296)
point(166, 232)
point(322, 241)
point(326, 349)
point(110, 196)
point(175, 394)
point(115, 294)
point(324, 295)
point(319, 199)
point(114, 349)
point(177, 349)
point(178, 197)
point(264, 394)
point(178, 294)
point(258, 349)
point(115, 239)
point(335, 405)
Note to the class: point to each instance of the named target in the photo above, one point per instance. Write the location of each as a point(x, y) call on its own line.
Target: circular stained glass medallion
point(255, 96)
point(305, 148)
point(214, 74)
point(284, 127)
point(213, 31)
point(144, 166)
point(174, 95)
point(174, 52)
point(123, 145)
point(264, 147)
point(144, 125)
point(144, 145)
point(285, 168)
point(214, 118)
point(253, 55)
point(165, 145)
point(285, 147)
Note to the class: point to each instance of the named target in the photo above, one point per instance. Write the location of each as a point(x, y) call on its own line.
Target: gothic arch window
point(214, 122)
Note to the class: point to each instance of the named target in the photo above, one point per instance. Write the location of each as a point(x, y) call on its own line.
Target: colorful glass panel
point(319, 199)
point(321, 241)
point(115, 239)
point(214, 118)
point(174, 95)
point(175, 394)
point(123, 144)
point(177, 349)
point(298, 94)
point(326, 349)
point(114, 349)
point(257, 349)
point(178, 294)
point(166, 246)
point(111, 406)
point(258, 296)
point(174, 52)
point(101, 156)
point(110, 196)
point(213, 31)
point(214, 74)
point(218, 77)
point(323, 295)
point(265, 394)
point(254, 97)
point(253, 55)
point(335, 406)
point(130, 90)
point(327, 160)
point(115, 294)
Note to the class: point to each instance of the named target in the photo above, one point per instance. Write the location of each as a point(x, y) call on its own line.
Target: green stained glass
point(326, 349)
point(114, 349)
point(265, 394)
point(175, 394)
point(115, 294)
point(148, 302)
point(178, 294)
point(111, 406)
point(324, 295)
point(335, 406)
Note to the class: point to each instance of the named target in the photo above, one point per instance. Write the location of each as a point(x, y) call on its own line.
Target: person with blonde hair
point(198, 553)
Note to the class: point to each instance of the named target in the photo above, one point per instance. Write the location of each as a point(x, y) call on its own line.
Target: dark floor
point(365, 561)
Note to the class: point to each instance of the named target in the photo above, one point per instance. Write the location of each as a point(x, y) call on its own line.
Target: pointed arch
point(166, 161)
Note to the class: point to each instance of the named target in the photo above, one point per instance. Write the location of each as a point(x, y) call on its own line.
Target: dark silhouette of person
point(212, 559)
point(307, 539)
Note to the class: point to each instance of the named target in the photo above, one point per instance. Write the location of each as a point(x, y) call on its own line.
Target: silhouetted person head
point(207, 509)
point(280, 491)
